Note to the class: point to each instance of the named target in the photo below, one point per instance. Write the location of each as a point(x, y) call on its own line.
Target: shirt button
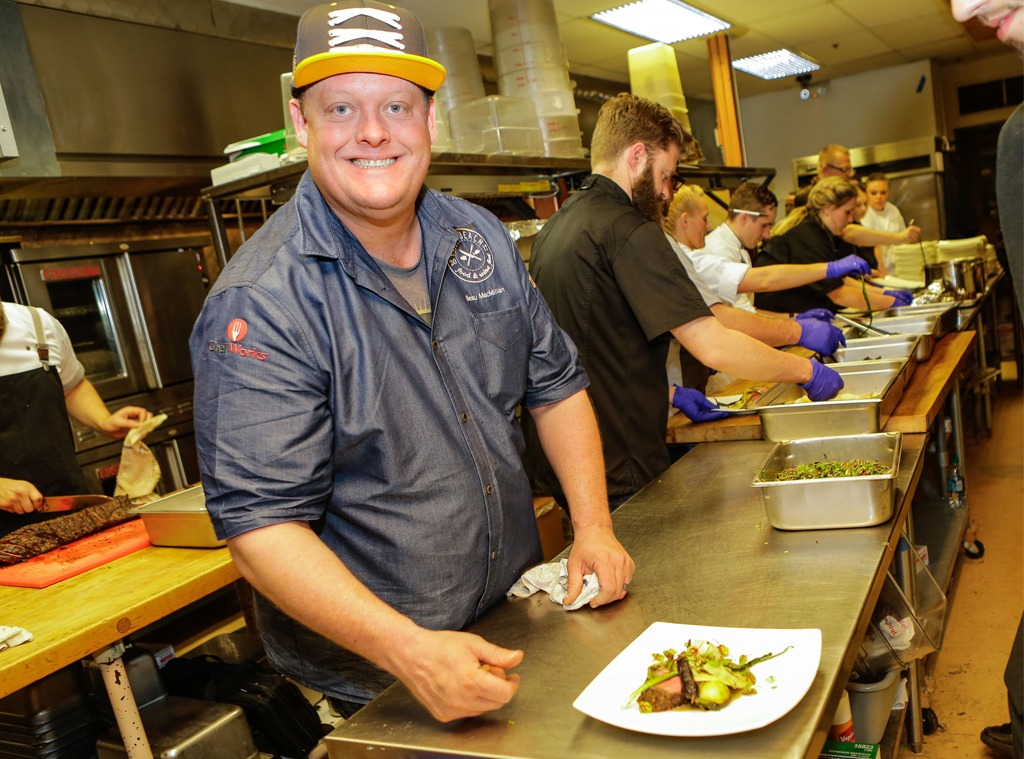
point(494, 554)
point(435, 345)
point(490, 490)
point(465, 417)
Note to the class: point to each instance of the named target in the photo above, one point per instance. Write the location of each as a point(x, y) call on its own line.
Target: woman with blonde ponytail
point(813, 234)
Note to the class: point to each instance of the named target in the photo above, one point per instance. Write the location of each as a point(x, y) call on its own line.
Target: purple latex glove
point(821, 314)
point(903, 297)
point(851, 264)
point(820, 337)
point(824, 383)
point(696, 406)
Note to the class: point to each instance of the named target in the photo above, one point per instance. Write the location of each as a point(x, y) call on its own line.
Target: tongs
point(864, 327)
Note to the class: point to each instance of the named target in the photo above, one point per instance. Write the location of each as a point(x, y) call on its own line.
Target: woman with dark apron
point(36, 441)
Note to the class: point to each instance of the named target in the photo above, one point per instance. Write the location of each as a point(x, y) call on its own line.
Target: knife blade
point(70, 502)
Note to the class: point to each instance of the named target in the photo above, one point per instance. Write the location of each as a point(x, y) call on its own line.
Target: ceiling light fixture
point(775, 65)
point(665, 21)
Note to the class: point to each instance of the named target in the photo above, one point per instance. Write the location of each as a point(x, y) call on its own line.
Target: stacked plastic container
point(531, 65)
point(453, 48)
point(654, 74)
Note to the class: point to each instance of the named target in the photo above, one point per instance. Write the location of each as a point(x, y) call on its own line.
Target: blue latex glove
point(695, 405)
point(903, 297)
point(824, 383)
point(851, 264)
point(820, 337)
point(821, 314)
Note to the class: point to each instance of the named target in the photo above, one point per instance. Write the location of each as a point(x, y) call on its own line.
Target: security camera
point(805, 94)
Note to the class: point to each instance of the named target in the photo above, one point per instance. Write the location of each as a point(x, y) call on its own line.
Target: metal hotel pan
point(783, 419)
point(944, 312)
point(833, 502)
point(904, 368)
point(926, 327)
point(868, 348)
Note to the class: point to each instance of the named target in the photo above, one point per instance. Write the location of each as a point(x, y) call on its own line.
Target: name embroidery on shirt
point(472, 260)
point(237, 329)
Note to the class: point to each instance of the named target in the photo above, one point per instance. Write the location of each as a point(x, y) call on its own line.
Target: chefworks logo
point(237, 329)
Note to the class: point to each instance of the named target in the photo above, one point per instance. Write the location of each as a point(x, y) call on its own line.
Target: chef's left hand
point(596, 549)
point(124, 419)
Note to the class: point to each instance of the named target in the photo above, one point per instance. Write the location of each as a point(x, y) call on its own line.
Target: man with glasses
point(834, 161)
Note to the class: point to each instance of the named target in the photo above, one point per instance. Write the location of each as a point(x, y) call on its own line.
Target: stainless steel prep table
point(705, 554)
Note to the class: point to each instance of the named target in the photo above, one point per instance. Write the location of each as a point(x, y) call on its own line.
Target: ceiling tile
point(836, 50)
point(927, 29)
point(588, 41)
point(873, 12)
point(746, 12)
point(819, 22)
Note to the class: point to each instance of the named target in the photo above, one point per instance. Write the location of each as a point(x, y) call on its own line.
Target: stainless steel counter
point(705, 554)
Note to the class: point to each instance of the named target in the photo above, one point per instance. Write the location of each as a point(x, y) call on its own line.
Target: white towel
point(553, 579)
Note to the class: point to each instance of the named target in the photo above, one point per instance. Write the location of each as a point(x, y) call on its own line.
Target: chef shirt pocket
point(504, 352)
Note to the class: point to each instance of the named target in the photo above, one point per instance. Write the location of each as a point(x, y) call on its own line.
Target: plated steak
point(36, 539)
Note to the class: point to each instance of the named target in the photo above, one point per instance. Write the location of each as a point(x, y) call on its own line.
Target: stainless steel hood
point(125, 105)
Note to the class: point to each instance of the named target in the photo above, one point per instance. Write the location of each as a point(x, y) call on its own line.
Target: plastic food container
point(830, 502)
point(179, 520)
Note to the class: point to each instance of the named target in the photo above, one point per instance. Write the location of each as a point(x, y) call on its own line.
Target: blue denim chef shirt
point(321, 396)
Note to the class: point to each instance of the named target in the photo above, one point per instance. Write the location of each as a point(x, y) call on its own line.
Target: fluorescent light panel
point(665, 21)
point(776, 64)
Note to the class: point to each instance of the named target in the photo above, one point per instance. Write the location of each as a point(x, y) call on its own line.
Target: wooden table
point(82, 615)
point(922, 400)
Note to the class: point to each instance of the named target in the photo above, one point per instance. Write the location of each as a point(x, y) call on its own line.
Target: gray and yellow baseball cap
point(361, 36)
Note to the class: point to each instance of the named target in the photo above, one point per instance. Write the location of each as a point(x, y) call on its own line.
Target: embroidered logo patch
point(472, 260)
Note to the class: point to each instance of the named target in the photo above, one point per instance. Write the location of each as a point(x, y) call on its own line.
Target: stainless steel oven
point(127, 307)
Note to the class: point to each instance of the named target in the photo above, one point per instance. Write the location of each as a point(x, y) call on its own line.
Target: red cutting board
point(75, 558)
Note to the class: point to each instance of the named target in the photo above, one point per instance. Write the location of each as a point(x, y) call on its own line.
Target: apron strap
point(42, 348)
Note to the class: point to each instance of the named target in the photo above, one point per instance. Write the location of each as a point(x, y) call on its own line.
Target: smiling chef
point(358, 367)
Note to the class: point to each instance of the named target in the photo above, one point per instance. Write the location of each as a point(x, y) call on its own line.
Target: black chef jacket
point(809, 242)
point(616, 286)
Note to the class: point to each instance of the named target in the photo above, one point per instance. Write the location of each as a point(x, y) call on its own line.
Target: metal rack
point(476, 177)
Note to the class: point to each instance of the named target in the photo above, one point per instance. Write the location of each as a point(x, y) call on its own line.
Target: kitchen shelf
point(475, 177)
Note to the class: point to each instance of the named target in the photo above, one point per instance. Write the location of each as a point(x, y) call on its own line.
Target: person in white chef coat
point(724, 265)
point(882, 215)
point(685, 226)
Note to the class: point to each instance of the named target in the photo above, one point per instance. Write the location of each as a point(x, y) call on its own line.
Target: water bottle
point(955, 485)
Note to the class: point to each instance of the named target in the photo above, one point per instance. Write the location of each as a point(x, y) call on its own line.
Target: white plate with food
point(780, 682)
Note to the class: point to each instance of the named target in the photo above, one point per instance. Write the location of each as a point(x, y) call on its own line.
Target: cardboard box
point(549, 525)
point(838, 750)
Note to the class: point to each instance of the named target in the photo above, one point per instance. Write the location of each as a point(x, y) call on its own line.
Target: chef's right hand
point(824, 383)
point(19, 496)
point(695, 405)
point(851, 264)
point(458, 674)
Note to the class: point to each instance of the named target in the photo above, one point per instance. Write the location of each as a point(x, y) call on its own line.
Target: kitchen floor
point(986, 595)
